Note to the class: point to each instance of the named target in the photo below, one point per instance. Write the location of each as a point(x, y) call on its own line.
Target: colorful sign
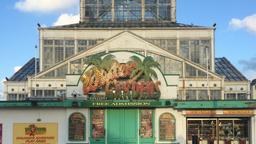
point(200, 112)
point(107, 79)
point(238, 112)
point(35, 133)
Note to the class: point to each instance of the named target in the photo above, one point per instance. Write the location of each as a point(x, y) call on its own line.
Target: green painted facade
point(122, 126)
point(71, 103)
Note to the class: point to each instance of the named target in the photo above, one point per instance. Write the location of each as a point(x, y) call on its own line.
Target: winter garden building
point(128, 73)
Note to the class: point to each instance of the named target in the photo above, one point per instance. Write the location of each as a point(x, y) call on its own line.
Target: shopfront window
point(98, 130)
point(146, 128)
point(218, 130)
point(76, 127)
point(234, 130)
point(167, 127)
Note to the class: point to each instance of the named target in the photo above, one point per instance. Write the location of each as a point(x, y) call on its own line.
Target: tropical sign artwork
point(107, 79)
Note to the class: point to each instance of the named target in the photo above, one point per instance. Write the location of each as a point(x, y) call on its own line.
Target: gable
point(125, 41)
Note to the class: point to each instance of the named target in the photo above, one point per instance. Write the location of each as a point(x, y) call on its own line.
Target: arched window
point(167, 127)
point(76, 127)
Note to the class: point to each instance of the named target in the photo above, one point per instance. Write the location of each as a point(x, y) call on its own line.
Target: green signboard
point(114, 104)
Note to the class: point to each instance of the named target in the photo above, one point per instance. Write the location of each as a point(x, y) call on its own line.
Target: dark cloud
point(249, 64)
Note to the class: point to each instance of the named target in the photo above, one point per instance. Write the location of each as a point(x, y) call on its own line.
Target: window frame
point(174, 129)
point(69, 120)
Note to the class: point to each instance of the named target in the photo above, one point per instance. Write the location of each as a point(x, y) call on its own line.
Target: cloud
point(249, 67)
point(248, 23)
point(65, 19)
point(17, 68)
point(45, 6)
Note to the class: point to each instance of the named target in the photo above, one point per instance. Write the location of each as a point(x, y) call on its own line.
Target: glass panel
point(22, 97)
point(230, 96)
point(58, 42)
point(70, 42)
point(76, 130)
point(241, 96)
point(196, 50)
point(82, 42)
point(168, 44)
point(62, 71)
point(215, 94)
point(208, 130)
point(164, 9)
point(69, 51)
point(193, 129)
point(12, 97)
point(98, 130)
point(202, 95)
point(190, 71)
point(160, 59)
point(76, 67)
point(48, 42)
point(241, 129)
point(173, 67)
point(49, 93)
point(151, 10)
point(39, 93)
point(226, 130)
point(146, 130)
point(191, 95)
point(48, 57)
point(49, 74)
point(59, 54)
point(184, 49)
point(127, 10)
point(167, 127)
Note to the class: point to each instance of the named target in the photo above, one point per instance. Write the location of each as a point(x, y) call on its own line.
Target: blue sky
point(235, 34)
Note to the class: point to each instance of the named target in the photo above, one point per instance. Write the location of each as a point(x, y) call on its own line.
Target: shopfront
point(219, 129)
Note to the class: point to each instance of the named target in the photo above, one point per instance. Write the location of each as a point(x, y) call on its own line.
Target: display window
point(146, 127)
point(76, 127)
point(167, 127)
point(98, 130)
point(218, 131)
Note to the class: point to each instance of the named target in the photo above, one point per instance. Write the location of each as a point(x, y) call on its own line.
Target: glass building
point(128, 73)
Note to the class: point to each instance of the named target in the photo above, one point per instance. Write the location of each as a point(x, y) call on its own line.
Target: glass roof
point(225, 68)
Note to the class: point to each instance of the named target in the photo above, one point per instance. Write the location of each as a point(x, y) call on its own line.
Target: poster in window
point(77, 127)
point(146, 130)
point(167, 127)
point(98, 130)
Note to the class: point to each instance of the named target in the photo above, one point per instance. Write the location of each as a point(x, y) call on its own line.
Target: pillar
point(173, 11)
point(82, 10)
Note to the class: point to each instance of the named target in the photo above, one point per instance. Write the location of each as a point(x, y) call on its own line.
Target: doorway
point(122, 126)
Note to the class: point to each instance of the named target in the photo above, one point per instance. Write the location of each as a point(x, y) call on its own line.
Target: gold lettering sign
point(121, 104)
point(238, 112)
point(201, 112)
point(35, 133)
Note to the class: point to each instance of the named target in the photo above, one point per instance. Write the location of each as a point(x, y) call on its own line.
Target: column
point(173, 10)
point(253, 130)
point(82, 10)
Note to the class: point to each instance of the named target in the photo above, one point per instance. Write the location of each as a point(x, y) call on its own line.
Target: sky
point(235, 36)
